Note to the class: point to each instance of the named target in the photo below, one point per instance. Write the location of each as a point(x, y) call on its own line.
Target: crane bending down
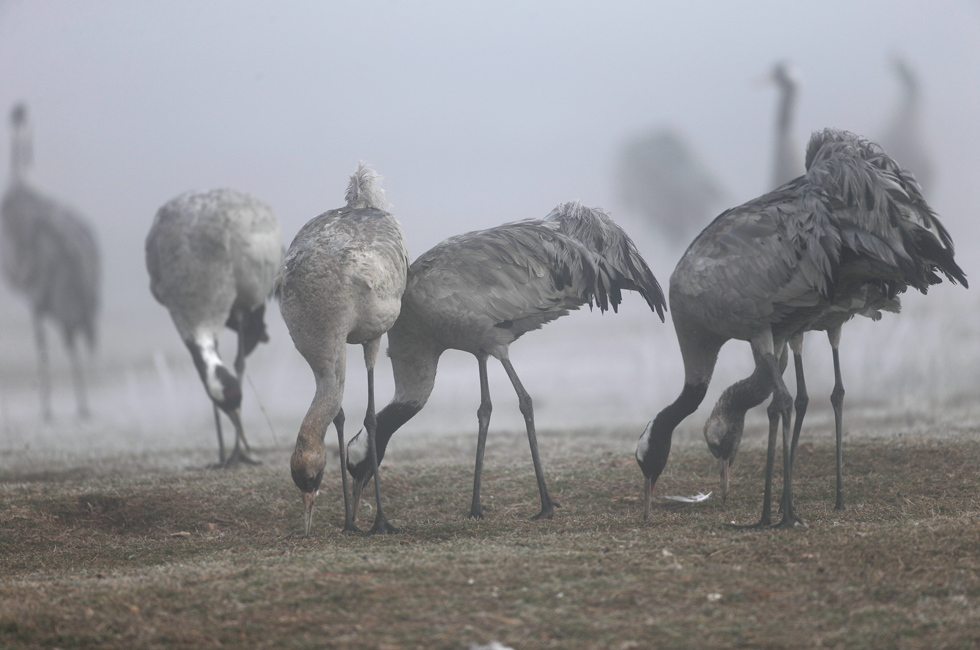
point(212, 257)
point(341, 282)
point(49, 254)
point(481, 291)
point(848, 236)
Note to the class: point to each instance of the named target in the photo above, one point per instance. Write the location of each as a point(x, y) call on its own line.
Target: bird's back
point(482, 290)
point(207, 251)
point(782, 259)
point(49, 253)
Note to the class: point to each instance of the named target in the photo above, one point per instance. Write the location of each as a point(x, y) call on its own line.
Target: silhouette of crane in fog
point(904, 139)
point(848, 236)
point(481, 291)
point(49, 254)
point(212, 257)
point(341, 282)
point(661, 177)
point(787, 161)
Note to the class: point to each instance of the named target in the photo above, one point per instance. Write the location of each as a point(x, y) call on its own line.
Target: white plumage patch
point(211, 362)
point(643, 444)
point(364, 189)
point(358, 448)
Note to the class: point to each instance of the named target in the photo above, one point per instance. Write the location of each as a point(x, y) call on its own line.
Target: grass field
point(216, 559)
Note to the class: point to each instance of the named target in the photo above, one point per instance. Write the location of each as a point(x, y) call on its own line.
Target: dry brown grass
point(208, 559)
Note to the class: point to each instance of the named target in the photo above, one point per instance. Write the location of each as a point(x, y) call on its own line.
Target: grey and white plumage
point(904, 139)
point(481, 291)
point(49, 255)
point(848, 236)
point(341, 282)
point(661, 177)
point(212, 257)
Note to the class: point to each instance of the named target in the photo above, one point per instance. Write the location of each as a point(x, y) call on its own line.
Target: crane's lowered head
point(723, 433)
point(306, 466)
point(360, 467)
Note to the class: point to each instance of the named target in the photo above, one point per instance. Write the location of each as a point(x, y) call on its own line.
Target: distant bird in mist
point(212, 257)
point(49, 254)
point(481, 291)
point(661, 177)
point(904, 139)
point(341, 282)
point(845, 238)
point(787, 160)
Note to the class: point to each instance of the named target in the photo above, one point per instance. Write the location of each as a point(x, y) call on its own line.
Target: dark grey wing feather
point(621, 265)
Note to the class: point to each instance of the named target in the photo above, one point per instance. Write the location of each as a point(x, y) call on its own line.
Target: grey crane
point(904, 139)
point(787, 160)
point(212, 257)
point(660, 176)
point(481, 291)
point(50, 255)
point(341, 282)
point(854, 229)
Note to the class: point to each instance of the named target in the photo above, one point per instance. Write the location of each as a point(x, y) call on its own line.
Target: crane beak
point(308, 499)
point(647, 494)
point(725, 468)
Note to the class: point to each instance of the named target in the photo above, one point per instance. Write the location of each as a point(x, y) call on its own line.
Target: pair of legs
point(44, 373)
point(483, 416)
point(381, 525)
point(239, 454)
point(781, 407)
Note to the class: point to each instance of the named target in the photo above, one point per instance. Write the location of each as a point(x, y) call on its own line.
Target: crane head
point(309, 484)
point(360, 468)
point(723, 435)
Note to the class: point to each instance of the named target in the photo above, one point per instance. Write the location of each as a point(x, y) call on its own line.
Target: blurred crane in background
point(49, 255)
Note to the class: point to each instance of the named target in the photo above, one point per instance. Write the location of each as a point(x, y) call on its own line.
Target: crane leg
point(349, 515)
point(837, 400)
point(527, 409)
point(483, 416)
point(221, 440)
point(381, 525)
point(78, 379)
point(800, 404)
point(43, 369)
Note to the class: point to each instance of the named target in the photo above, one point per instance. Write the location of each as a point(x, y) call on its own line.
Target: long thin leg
point(837, 401)
point(338, 422)
point(381, 525)
point(801, 403)
point(43, 373)
point(527, 409)
point(78, 378)
point(221, 440)
point(483, 416)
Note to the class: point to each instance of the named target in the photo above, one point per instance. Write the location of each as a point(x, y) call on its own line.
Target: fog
point(475, 114)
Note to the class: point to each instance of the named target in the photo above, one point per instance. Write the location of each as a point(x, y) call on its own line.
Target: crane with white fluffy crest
point(850, 235)
point(481, 291)
point(212, 256)
point(341, 282)
point(49, 254)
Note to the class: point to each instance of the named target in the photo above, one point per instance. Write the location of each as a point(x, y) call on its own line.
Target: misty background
point(475, 114)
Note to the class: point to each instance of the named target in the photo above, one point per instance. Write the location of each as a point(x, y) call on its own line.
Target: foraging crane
point(212, 257)
point(49, 254)
point(854, 230)
point(661, 177)
point(481, 291)
point(341, 282)
point(903, 139)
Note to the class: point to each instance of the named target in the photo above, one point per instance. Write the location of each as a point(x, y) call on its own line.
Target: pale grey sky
point(475, 112)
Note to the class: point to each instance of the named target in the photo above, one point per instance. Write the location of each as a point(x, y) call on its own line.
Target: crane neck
point(653, 448)
point(787, 103)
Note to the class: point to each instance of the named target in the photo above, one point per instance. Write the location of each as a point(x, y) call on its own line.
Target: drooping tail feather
point(364, 189)
point(620, 263)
